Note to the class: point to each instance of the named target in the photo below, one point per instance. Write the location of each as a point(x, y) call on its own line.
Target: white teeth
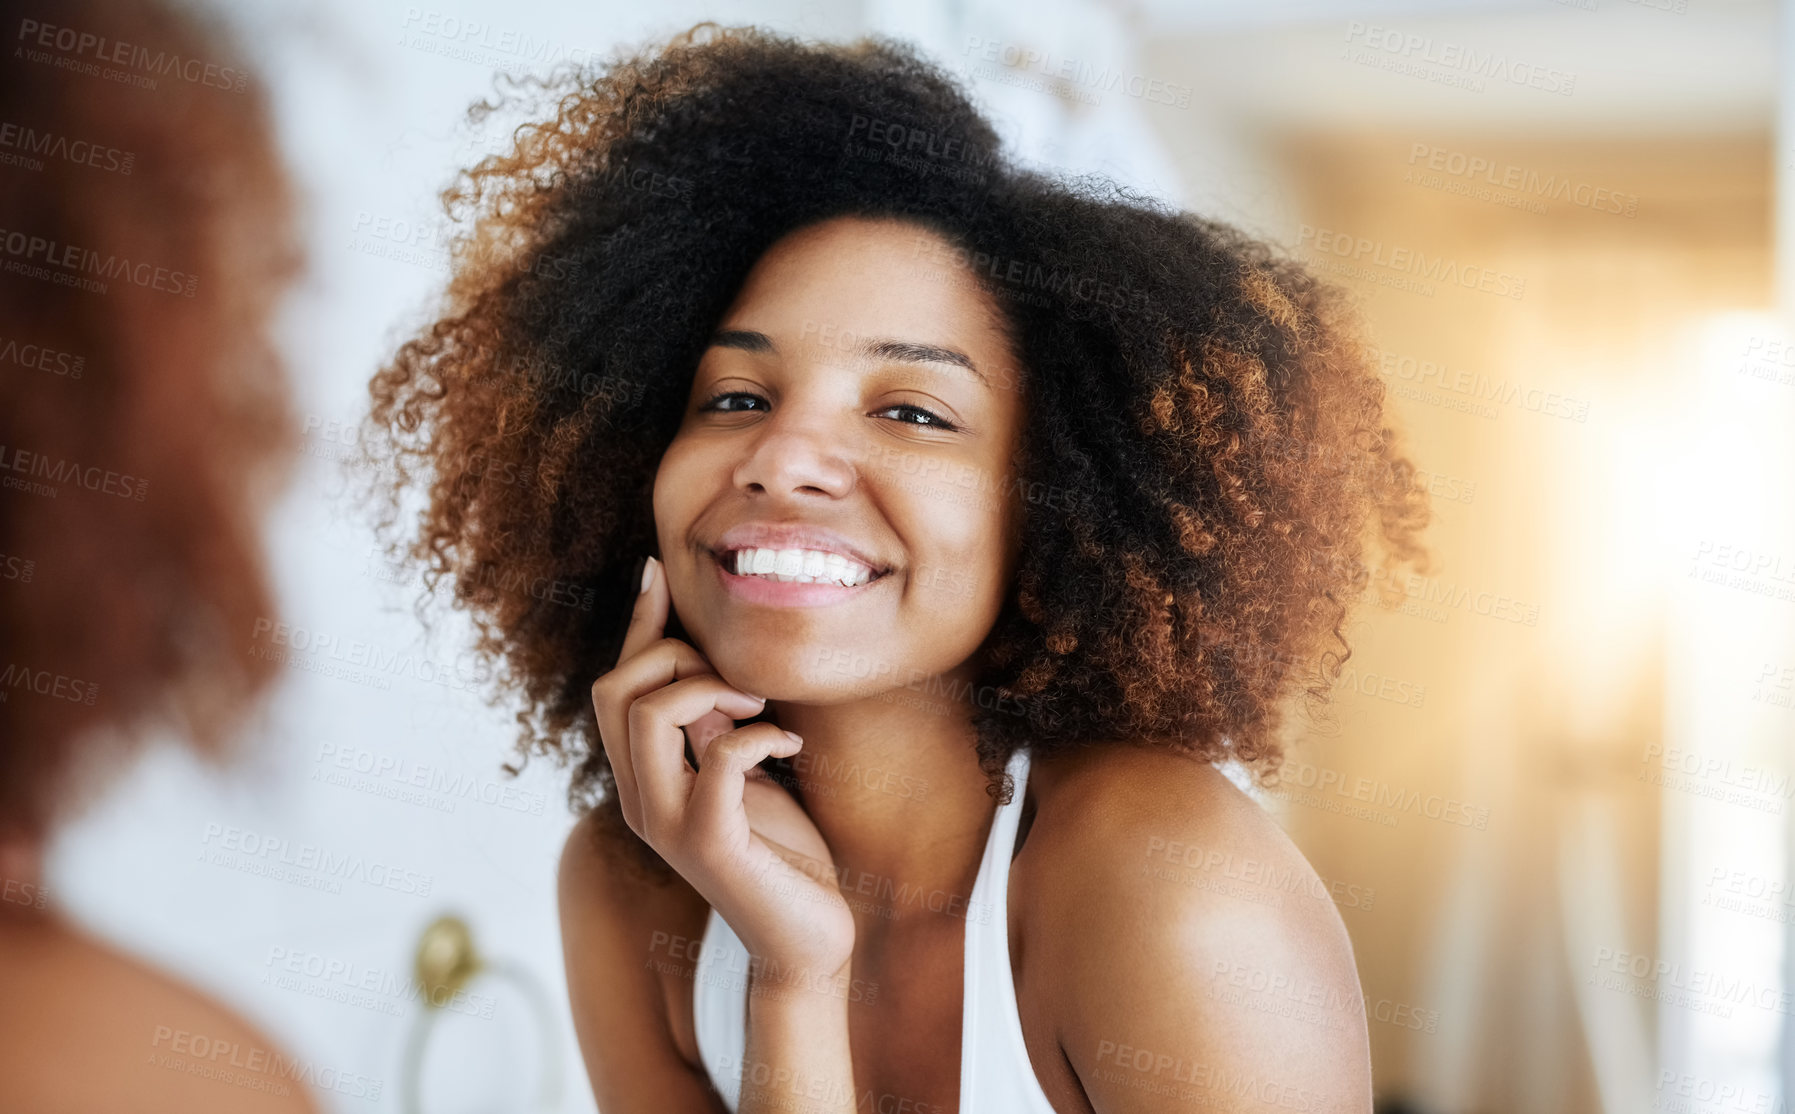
point(800, 566)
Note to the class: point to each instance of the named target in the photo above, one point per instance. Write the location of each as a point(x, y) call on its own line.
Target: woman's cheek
point(961, 600)
point(675, 492)
point(947, 586)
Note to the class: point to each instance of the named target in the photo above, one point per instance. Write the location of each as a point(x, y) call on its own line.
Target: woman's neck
point(893, 784)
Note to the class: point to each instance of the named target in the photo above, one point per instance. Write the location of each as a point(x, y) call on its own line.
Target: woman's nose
point(798, 453)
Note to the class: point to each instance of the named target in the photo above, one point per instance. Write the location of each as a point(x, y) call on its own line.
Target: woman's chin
point(800, 677)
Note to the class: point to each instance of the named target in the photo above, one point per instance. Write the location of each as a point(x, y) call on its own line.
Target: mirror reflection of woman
point(145, 425)
point(988, 512)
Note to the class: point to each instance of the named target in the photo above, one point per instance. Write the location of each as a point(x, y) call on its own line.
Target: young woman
point(988, 514)
point(144, 424)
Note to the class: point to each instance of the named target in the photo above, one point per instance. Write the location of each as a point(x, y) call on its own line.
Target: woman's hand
point(738, 838)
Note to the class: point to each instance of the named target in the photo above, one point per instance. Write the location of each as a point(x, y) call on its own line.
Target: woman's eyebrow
point(904, 351)
point(745, 339)
point(911, 352)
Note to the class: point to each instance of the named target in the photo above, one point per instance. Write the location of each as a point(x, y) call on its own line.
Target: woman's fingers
point(612, 694)
point(659, 665)
point(657, 742)
point(717, 793)
point(647, 661)
point(660, 687)
point(648, 619)
point(701, 733)
point(655, 667)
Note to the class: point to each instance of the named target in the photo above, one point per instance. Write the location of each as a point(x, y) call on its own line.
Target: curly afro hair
point(1201, 413)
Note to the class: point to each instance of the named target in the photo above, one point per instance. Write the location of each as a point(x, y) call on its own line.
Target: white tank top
point(995, 1074)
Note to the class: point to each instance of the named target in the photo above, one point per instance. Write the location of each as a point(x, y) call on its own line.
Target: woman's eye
point(929, 419)
point(716, 401)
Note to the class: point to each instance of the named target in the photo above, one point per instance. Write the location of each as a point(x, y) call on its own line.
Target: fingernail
point(793, 736)
point(647, 574)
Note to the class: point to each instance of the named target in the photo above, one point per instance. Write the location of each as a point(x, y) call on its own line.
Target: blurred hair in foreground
point(144, 426)
point(156, 410)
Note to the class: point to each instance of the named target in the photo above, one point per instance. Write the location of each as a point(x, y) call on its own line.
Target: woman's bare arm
point(1202, 969)
point(617, 933)
point(798, 1059)
point(610, 948)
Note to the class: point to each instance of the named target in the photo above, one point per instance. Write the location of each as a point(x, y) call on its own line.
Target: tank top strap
point(996, 1076)
point(720, 1007)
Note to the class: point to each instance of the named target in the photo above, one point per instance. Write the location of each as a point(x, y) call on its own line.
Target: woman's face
point(852, 423)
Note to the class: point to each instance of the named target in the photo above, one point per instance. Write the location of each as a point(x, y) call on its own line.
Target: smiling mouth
point(797, 566)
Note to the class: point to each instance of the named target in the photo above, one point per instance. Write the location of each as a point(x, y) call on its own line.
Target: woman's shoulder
point(1178, 917)
point(1152, 806)
point(1163, 828)
point(599, 880)
point(96, 1029)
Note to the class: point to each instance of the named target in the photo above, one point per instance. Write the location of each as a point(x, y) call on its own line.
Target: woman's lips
point(774, 593)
